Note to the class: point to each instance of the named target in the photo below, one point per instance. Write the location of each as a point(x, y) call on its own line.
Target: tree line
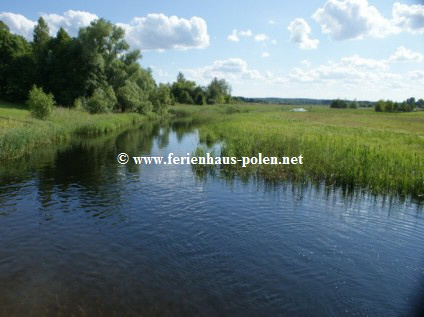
point(405, 106)
point(351, 104)
point(95, 70)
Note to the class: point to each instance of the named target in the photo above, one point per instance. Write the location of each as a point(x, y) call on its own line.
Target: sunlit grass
point(20, 133)
point(381, 152)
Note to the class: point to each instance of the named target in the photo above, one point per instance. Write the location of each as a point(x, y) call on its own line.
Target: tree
point(131, 97)
point(101, 43)
point(16, 65)
point(183, 89)
point(389, 106)
point(103, 100)
point(40, 47)
point(380, 106)
point(218, 91)
point(200, 99)
point(410, 104)
point(40, 104)
point(339, 104)
point(41, 36)
point(161, 99)
point(354, 104)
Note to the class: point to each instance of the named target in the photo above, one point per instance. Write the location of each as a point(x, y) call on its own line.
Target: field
point(20, 133)
point(378, 152)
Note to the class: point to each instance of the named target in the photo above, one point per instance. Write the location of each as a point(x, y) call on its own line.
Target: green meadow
point(377, 152)
point(20, 132)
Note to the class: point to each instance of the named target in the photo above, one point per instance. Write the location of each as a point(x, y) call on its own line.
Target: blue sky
point(360, 49)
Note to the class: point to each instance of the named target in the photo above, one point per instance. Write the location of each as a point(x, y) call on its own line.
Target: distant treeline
point(405, 106)
point(306, 101)
point(284, 101)
point(95, 70)
point(352, 104)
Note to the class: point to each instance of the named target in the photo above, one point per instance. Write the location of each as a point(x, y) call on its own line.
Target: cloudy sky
point(364, 49)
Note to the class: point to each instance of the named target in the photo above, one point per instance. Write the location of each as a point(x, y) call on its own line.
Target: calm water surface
point(81, 235)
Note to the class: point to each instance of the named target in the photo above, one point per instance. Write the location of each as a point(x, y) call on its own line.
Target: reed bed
point(382, 153)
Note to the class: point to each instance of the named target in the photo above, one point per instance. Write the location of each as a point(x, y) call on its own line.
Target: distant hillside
point(293, 101)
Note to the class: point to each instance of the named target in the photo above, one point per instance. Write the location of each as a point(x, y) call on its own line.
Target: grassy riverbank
point(379, 152)
point(20, 133)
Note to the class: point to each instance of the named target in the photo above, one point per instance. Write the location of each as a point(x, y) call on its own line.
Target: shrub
point(338, 103)
point(131, 97)
point(161, 98)
point(379, 106)
point(103, 100)
point(145, 107)
point(80, 103)
point(200, 99)
point(40, 104)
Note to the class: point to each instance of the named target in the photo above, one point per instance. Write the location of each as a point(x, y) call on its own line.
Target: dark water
point(81, 235)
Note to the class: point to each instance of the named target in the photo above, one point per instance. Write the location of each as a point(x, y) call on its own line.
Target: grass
point(20, 132)
point(379, 152)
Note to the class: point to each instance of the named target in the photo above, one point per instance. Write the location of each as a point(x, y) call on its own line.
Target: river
point(81, 235)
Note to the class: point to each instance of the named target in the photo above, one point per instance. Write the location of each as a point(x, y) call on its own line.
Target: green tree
point(389, 106)
point(380, 106)
point(161, 99)
point(218, 91)
point(40, 104)
point(339, 104)
point(16, 66)
point(183, 89)
point(103, 100)
point(354, 104)
point(40, 47)
point(131, 98)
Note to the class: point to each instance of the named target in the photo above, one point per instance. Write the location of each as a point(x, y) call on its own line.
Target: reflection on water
point(82, 235)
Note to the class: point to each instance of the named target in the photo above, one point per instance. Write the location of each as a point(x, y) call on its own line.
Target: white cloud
point(274, 42)
point(403, 54)
point(272, 22)
point(416, 75)
point(18, 24)
point(160, 32)
point(410, 18)
point(261, 37)
point(71, 21)
point(355, 19)
point(265, 54)
point(352, 19)
point(358, 62)
point(305, 63)
point(152, 32)
point(235, 35)
point(359, 70)
point(232, 69)
point(299, 34)
point(246, 33)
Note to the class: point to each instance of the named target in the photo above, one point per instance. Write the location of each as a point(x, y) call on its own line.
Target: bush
point(338, 103)
point(200, 99)
point(80, 104)
point(102, 101)
point(161, 98)
point(40, 104)
point(131, 97)
point(145, 107)
point(380, 106)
